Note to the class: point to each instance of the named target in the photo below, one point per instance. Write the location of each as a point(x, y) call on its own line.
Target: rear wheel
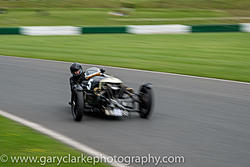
point(77, 107)
point(146, 100)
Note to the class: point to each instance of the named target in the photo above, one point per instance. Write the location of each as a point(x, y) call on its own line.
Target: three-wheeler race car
point(106, 94)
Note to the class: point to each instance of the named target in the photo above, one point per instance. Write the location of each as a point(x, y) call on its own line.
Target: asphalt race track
point(206, 121)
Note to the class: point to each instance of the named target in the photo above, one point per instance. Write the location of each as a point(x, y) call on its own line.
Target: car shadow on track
point(102, 117)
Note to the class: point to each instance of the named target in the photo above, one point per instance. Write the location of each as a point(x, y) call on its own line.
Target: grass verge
point(98, 17)
point(200, 4)
point(18, 140)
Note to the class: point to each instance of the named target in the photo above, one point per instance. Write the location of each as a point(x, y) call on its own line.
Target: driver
point(77, 77)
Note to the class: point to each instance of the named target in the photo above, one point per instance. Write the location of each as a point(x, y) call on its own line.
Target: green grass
point(17, 140)
point(211, 4)
point(218, 55)
point(95, 12)
point(78, 17)
point(101, 16)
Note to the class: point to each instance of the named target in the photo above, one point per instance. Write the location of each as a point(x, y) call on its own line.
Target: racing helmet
point(74, 68)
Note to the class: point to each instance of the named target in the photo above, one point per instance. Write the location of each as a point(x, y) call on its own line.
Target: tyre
point(77, 107)
point(146, 101)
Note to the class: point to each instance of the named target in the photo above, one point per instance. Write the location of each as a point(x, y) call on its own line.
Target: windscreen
point(91, 71)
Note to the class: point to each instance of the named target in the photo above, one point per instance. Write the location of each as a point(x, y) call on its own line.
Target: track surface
point(206, 121)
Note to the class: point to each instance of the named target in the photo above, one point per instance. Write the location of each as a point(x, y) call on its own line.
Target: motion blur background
point(99, 12)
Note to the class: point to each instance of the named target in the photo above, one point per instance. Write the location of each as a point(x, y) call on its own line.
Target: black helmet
point(75, 67)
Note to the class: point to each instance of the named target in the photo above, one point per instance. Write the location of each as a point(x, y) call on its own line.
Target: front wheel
point(146, 101)
point(77, 107)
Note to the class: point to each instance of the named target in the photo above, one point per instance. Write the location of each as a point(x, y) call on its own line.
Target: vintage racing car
point(106, 94)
